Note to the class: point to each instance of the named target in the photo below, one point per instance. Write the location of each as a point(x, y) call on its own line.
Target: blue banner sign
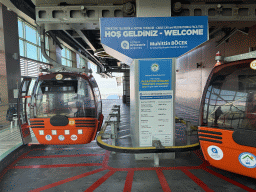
point(152, 37)
point(155, 75)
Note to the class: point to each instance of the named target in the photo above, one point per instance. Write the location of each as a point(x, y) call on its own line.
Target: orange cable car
point(63, 109)
point(227, 131)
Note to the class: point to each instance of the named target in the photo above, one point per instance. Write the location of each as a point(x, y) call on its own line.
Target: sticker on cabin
point(48, 137)
point(73, 137)
point(61, 137)
point(59, 76)
point(71, 122)
point(215, 152)
point(247, 159)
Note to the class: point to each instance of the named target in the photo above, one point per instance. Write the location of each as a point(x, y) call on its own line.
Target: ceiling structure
point(76, 22)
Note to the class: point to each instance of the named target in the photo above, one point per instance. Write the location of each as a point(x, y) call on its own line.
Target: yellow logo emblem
point(71, 122)
point(253, 64)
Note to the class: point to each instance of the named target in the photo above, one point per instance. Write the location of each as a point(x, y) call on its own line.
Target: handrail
point(119, 149)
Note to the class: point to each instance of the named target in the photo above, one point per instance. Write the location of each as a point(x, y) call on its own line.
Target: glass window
point(20, 29)
point(31, 51)
point(42, 58)
point(21, 45)
point(69, 63)
point(72, 98)
point(232, 93)
point(63, 52)
point(66, 57)
point(68, 54)
point(31, 34)
point(64, 61)
point(82, 63)
point(29, 42)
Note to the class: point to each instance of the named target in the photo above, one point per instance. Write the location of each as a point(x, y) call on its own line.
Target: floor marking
point(12, 165)
point(66, 180)
point(128, 181)
point(106, 159)
point(99, 181)
point(197, 181)
point(162, 180)
point(56, 166)
point(71, 148)
point(228, 180)
point(59, 156)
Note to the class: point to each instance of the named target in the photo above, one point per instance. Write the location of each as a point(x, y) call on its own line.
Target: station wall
point(191, 79)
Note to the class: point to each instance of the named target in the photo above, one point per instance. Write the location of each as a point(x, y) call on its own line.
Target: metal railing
point(112, 120)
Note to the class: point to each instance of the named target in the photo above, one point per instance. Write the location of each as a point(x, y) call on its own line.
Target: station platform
point(68, 168)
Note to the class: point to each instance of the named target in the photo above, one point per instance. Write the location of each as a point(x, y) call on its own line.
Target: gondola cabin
point(64, 108)
point(227, 133)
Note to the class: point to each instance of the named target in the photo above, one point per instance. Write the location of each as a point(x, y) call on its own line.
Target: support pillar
point(10, 75)
point(146, 8)
point(126, 87)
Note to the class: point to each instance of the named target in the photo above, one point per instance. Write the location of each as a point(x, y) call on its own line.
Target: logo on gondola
point(73, 137)
point(154, 67)
point(59, 76)
point(253, 64)
point(61, 137)
point(247, 159)
point(71, 122)
point(48, 137)
point(215, 152)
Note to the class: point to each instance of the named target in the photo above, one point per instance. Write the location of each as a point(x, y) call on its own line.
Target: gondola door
point(23, 113)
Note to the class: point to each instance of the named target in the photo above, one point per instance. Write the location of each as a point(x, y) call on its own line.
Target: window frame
point(39, 56)
point(207, 93)
point(65, 57)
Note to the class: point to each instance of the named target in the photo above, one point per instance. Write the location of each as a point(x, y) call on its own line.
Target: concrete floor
point(68, 168)
point(10, 140)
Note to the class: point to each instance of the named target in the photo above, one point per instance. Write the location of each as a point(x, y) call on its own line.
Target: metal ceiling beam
point(85, 39)
point(62, 17)
point(87, 52)
point(226, 37)
point(76, 14)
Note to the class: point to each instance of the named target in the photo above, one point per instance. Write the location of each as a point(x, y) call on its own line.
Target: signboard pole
point(152, 104)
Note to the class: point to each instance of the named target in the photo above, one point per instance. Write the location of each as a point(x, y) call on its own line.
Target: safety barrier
point(156, 148)
point(189, 131)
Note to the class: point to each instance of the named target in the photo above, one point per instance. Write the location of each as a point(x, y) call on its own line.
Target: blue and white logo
point(125, 45)
point(61, 137)
point(48, 137)
point(247, 159)
point(215, 152)
point(154, 67)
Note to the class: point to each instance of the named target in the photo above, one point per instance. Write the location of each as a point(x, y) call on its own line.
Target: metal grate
point(30, 67)
point(85, 123)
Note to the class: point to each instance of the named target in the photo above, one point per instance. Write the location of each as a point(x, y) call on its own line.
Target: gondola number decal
point(59, 76)
point(71, 122)
point(215, 152)
point(247, 159)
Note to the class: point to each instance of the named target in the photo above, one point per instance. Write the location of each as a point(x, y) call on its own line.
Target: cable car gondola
point(63, 108)
point(227, 131)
